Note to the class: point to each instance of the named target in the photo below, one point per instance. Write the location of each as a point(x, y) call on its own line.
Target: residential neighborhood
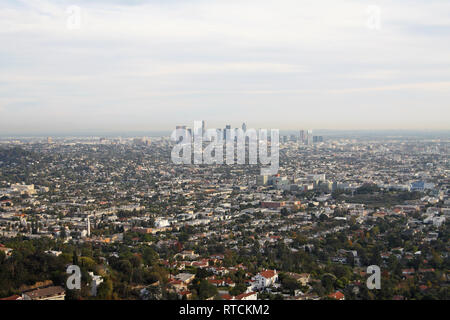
point(141, 227)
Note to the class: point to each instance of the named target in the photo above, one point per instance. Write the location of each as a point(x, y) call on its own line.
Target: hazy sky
point(287, 64)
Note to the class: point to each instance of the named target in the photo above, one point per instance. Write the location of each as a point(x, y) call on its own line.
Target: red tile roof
point(14, 297)
point(337, 295)
point(244, 295)
point(268, 274)
point(45, 292)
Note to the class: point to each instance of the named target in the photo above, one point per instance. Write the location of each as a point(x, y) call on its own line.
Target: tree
point(87, 263)
point(105, 290)
point(153, 293)
point(290, 284)
point(149, 256)
point(75, 258)
point(328, 281)
point(135, 261)
point(206, 290)
point(238, 289)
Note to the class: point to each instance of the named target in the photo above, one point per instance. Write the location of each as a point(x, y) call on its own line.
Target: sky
point(110, 65)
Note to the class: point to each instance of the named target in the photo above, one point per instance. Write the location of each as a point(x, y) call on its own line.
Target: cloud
point(428, 86)
point(157, 59)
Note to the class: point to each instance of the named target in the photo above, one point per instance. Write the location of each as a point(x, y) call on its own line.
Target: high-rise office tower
point(309, 137)
point(203, 127)
point(317, 139)
point(225, 132)
point(244, 127)
point(302, 136)
point(219, 134)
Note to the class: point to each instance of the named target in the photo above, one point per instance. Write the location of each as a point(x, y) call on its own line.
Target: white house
point(161, 223)
point(265, 279)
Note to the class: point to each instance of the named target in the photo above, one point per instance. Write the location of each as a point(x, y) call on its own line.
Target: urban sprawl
point(141, 227)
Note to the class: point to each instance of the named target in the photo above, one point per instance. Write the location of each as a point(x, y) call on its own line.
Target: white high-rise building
point(309, 137)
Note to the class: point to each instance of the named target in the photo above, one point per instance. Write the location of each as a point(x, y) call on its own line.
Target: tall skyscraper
point(302, 136)
point(203, 127)
point(309, 137)
point(225, 132)
point(317, 139)
point(244, 127)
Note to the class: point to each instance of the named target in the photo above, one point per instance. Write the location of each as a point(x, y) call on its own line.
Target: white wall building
point(265, 279)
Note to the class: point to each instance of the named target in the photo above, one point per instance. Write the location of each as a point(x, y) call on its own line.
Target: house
point(423, 270)
point(229, 283)
point(337, 295)
point(407, 271)
point(385, 255)
point(216, 282)
point(186, 294)
point(423, 287)
point(217, 256)
point(247, 296)
point(265, 279)
point(302, 278)
point(308, 297)
point(273, 204)
point(219, 270)
point(201, 264)
point(379, 214)
point(14, 297)
point(226, 296)
point(48, 293)
point(185, 277)
point(53, 253)
point(187, 254)
point(177, 285)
